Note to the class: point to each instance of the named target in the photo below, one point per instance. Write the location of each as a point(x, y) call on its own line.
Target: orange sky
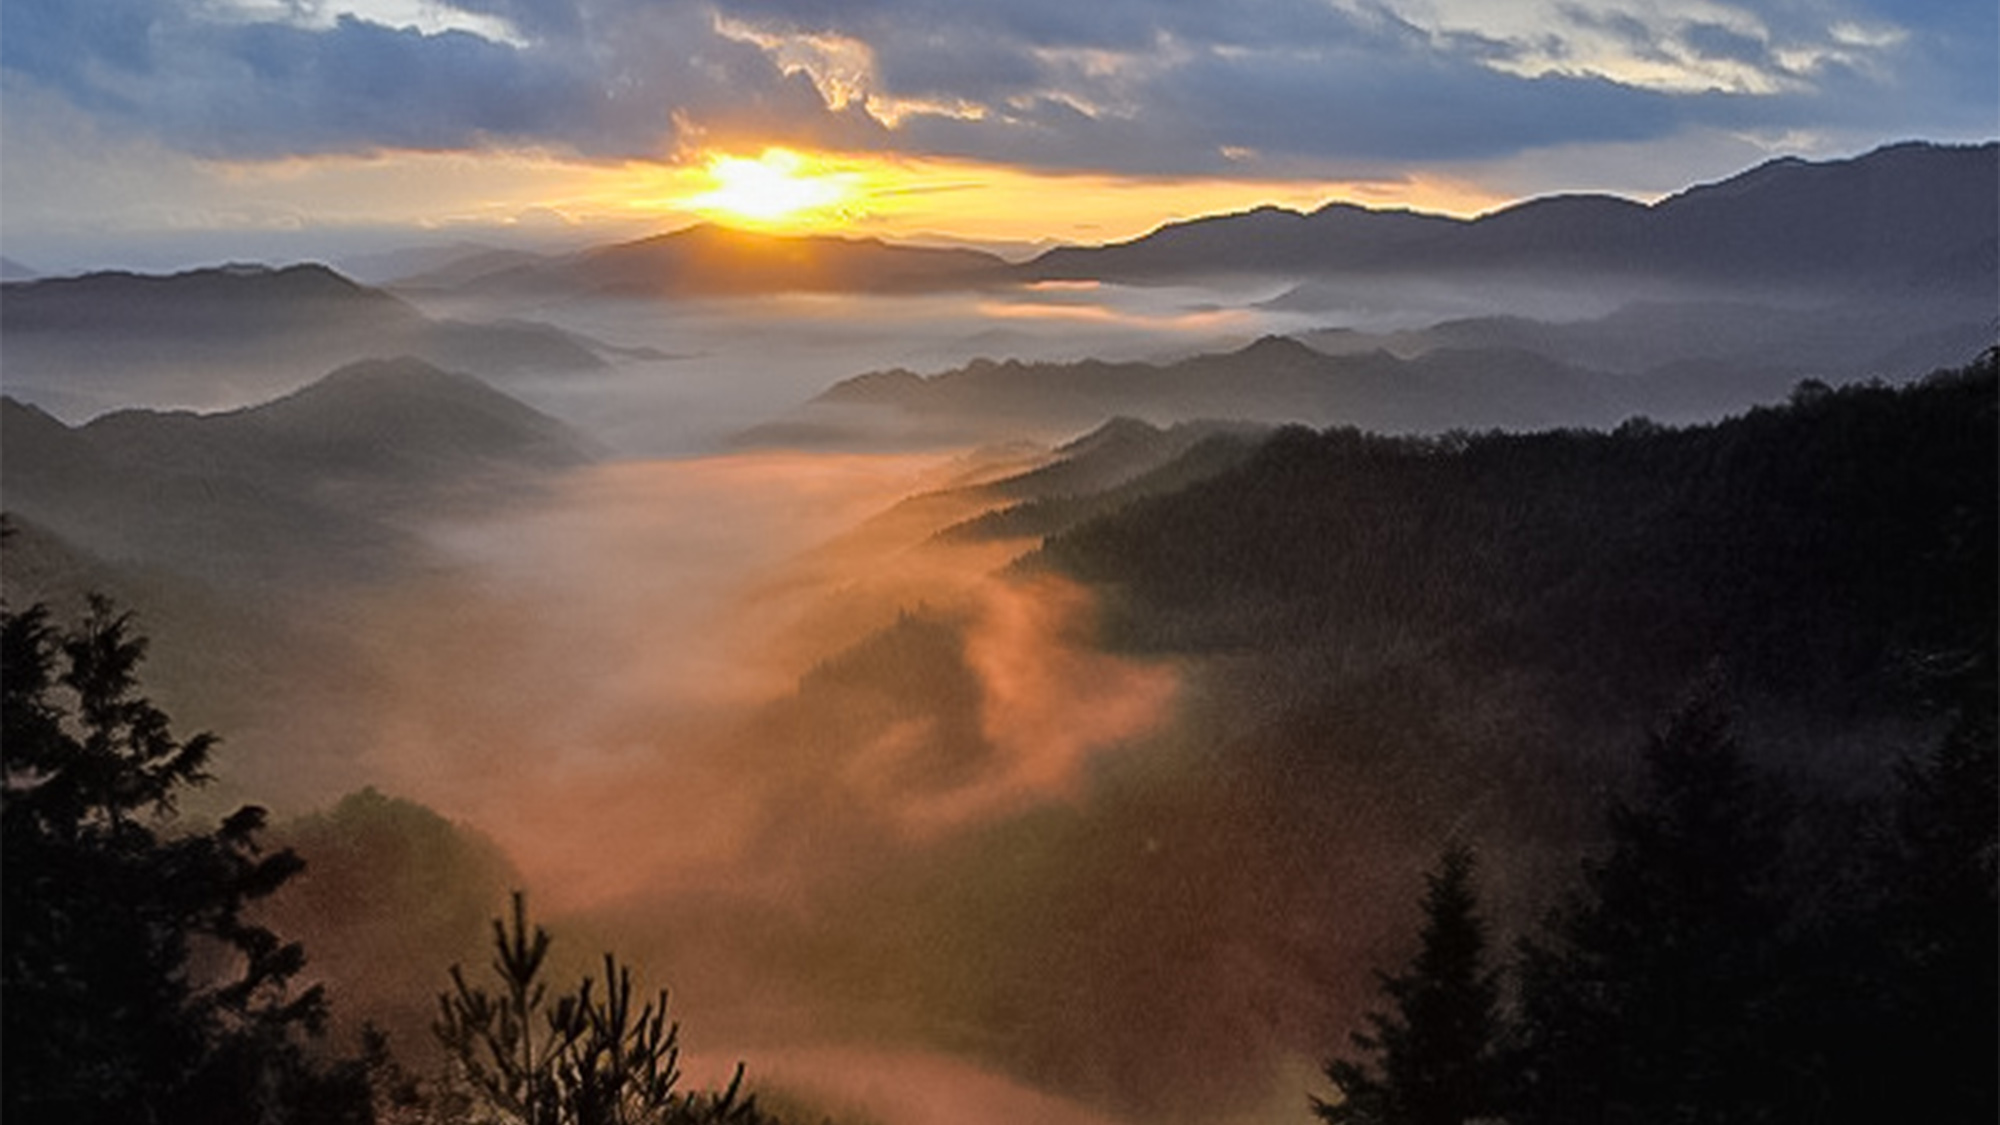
point(187, 131)
point(547, 198)
point(906, 197)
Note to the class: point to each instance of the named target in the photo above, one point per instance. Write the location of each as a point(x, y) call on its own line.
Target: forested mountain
point(1104, 470)
point(1821, 554)
point(1383, 643)
point(1273, 380)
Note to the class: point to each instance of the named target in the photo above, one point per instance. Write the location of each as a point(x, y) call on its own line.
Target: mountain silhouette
point(224, 335)
point(712, 260)
point(1275, 379)
point(311, 482)
point(1893, 217)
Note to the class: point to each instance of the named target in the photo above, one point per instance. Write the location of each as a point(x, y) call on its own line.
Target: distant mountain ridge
point(1897, 214)
point(1276, 379)
point(226, 334)
point(1907, 215)
point(711, 260)
point(293, 484)
point(241, 297)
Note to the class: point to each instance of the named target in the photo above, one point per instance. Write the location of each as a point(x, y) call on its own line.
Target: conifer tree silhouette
point(586, 1057)
point(112, 1004)
point(1435, 1051)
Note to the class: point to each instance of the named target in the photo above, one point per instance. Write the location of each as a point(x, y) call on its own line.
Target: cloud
point(643, 81)
point(1160, 87)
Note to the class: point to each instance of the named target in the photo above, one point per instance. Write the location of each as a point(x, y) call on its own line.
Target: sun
point(780, 186)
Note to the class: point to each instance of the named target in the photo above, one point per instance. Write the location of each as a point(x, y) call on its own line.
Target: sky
point(163, 129)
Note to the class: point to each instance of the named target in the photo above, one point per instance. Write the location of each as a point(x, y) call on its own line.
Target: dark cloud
point(626, 86)
point(1125, 85)
point(364, 83)
point(1714, 41)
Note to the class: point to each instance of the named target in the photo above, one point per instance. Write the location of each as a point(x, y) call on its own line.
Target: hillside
point(312, 482)
point(1820, 550)
point(226, 335)
point(1381, 644)
point(1274, 380)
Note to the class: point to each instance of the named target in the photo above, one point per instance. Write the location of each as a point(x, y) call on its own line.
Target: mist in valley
point(884, 813)
point(1036, 699)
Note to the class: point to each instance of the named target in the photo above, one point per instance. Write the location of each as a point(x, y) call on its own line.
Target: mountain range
point(1912, 216)
point(316, 482)
point(1384, 644)
point(1668, 362)
point(228, 334)
point(1885, 265)
point(709, 261)
point(1909, 217)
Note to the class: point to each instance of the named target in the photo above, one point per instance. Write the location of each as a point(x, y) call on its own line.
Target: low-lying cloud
point(579, 681)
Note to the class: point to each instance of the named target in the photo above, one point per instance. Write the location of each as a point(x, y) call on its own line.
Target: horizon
point(184, 132)
point(349, 251)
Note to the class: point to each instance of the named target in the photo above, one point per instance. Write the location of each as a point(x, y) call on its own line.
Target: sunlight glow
point(778, 186)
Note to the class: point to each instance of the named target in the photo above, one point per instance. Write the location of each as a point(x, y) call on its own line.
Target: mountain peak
point(1120, 431)
point(1279, 349)
point(409, 413)
point(387, 373)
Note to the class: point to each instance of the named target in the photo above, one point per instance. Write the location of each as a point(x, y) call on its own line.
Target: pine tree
point(585, 1057)
point(1435, 1052)
point(133, 988)
point(1659, 998)
point(1939, 923)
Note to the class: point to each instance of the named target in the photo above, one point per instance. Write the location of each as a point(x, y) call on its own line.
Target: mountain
point(1382, 645)
point(1120, 462)
point(1904, 216)
point(195, 304)
point(1815, 547)
point(1273, 380)
point(1908, 220)
point(1267, 240)
point(224, 335)
point(1761, 348)
point(709, 260)
point(387, 265)
point(311, 483)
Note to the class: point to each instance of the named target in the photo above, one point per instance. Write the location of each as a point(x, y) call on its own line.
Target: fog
point(590, 681)
point(575, 671)
point(883, 813)
point(893, 823)
point(735, 363)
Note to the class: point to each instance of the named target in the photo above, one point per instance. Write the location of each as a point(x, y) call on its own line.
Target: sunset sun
point(778, 186)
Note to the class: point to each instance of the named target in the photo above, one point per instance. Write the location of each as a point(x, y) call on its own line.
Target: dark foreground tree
point(1434, 1053)
point(1938, 922)
point(132, 987)
point(587, 1057)
point(1662, 994)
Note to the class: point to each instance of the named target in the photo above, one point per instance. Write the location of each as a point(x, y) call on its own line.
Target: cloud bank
point(1151, 87)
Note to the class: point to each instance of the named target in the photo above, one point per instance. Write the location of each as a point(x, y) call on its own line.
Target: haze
point(988, 548)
